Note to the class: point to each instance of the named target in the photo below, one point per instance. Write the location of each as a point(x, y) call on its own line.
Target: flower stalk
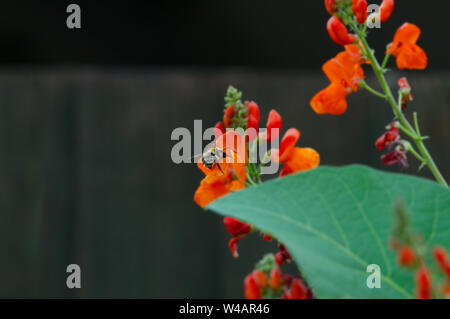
point(412, 131)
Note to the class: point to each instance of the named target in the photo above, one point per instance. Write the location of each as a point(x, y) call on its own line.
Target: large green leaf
point(337, 221)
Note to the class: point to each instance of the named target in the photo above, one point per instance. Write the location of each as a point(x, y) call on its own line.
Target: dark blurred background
point(86, 118)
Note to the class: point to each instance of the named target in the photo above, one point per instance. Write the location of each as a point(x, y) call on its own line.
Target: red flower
point(252, 120)
point(219, 130)
point(423, 283)
point(252, 290)
point(406, 256)
point(295, 159)
point(238, 230)
point(395, 157)
point(260, 278)
point(359, 8)
point(386, 8)
point(409, 55)
point(236, 227)
point(282, 256)
point(297, 291)
point(387, 138)
point(228, 115)
point(344, 72)
point(338, 32)
point(273, 126)
point(330, 6)
point(275, 278)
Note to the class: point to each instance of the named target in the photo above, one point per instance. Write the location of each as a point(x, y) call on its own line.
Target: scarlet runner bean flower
point(406, 256)
point(359, 8)
point(388, 138)
point(338, 32)
point(409, 54)
point(273, 127)
point(229, 177)
point(238, 230)
point(295, 159)
point(344, 72)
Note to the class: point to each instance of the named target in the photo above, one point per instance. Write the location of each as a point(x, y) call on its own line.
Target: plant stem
point(418, 140)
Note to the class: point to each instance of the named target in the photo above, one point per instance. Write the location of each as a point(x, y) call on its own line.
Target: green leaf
point(337, 221)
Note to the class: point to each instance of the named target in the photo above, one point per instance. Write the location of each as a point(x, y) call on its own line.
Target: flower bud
point(404, 92)
point(275, 278)
point(260, 278)
point(386, 8)
point(387, 138)
point(423, 283)
point(338, 32)
point(252, 290)
point(406, 256)
point(359, 8)
point(273, 123)
point(228, 116)
point(330, 6)
point(395, 157)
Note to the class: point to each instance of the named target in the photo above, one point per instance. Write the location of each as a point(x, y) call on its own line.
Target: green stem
point(364, 85)
point(397, 109)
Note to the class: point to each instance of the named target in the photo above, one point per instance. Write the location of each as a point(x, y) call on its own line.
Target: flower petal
point(331, 100)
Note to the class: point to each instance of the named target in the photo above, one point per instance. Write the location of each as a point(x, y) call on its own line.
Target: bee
point(213, 155)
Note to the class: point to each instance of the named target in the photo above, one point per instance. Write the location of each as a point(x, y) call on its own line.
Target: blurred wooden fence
point(86, 175)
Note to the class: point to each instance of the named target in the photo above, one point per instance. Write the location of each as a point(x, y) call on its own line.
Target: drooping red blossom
point(238, 230)
point(397, 156)
point(359, 8)
point(386, 8)
point(423, 283)
point(406, 256)
point(338, 32)
point(388, 137)
point(297, 291)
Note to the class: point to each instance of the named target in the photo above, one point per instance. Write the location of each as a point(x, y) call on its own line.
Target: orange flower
point(409, 54)
point(344, 72)
point(295, 159)
point(386, 8)
point(230, 176)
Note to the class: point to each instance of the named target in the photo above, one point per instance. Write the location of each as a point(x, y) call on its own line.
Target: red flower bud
point(440, 255)
point(273, 122)
point(260, 278)
point(219, 129)
point(228, 115)
point(275, 278)
point(405, 92)
point(387, 138)
point(406, 256)
point(423, 283)
point(359, 8)
point(253, 109)
point(232, 244)
point(298, 290)
point(338, 32)
point(251, 288)
point(236, 227)
point(330, 6)
point(386, 8)
point(267, 237)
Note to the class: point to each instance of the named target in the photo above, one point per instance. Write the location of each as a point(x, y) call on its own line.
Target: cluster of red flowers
point(344, 71)
point(407, 257)
point(230, 173)
point(270, 282)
